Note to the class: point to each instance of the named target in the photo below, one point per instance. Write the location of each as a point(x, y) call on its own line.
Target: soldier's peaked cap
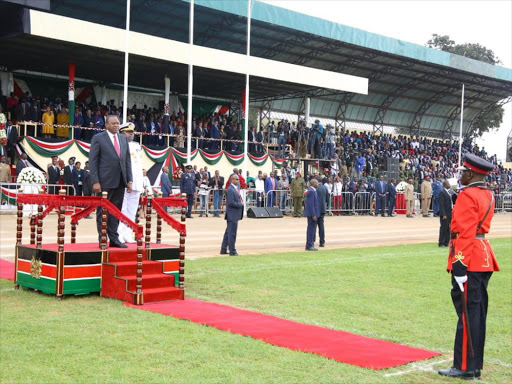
point(476, 164)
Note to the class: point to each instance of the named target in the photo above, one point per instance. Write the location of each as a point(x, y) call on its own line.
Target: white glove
point(461, 280)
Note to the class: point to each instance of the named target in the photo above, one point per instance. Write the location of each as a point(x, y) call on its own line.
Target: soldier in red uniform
point(471, 262)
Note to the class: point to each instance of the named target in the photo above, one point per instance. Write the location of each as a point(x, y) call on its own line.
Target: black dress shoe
point(311, 249)
point(322, 245)
point(234, 254)
point(117, 244)
point(458, 374)
point(223, 253)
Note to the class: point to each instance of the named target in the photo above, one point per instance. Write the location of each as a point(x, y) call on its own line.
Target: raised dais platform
point(84, 268)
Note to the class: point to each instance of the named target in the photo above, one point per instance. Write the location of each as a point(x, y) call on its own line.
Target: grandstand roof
point(410, 86)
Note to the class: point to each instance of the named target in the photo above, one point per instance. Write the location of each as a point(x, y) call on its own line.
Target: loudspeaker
point(393, 170)
point(257, 213)
point(274, 212)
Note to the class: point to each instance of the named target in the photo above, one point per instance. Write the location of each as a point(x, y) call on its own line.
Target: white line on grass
point(418, 367)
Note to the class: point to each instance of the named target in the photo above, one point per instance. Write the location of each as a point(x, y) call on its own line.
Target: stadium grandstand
point(301, 69)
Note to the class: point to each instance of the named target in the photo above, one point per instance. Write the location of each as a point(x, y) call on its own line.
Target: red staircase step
point(152, 295)
point(160, 280)
point(127, 268)
point(120, 255)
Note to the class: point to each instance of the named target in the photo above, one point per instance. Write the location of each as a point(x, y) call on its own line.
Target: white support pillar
point(308, 108)
point(247, 69)
point(126, 53)
point(190, 80)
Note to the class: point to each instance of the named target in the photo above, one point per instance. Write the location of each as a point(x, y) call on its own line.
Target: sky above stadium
point(488, 23)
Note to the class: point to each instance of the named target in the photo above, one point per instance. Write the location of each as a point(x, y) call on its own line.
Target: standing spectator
point(298, 188)
point(270, 189)
point(234, 213)
point(188, 187)
point(426, 196)
point(380, 191)
point(323, 196)
point(62, 122)
point(282, 131)
point(54, 176)
point(284, 186)
point(215, 136)
point(12, 140)
point(48, 120)
point(5, 171)
point(78, 178)
point(260, 189)
point(88, 122)
point(391, 197)
point(445, 214)
point(312, 212)
point(22, 163)
point(203, 195)
point(68, 176)
point(337, 195)
point(409, 198)
point(216, 184)
point(437, 187)
point(78, 122)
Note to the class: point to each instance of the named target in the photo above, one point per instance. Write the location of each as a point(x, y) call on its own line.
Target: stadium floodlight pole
point(190, 81)
point(246, 112)
point(461, 125)
point(126, 49)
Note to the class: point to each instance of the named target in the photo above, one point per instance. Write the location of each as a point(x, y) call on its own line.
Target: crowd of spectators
point(356, 157)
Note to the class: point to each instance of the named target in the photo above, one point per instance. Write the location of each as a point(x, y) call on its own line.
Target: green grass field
point(397, 293)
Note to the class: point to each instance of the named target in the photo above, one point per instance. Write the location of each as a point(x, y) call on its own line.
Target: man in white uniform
point(131, 199)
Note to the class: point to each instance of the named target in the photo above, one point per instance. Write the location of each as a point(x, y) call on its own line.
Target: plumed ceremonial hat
point(127, 127)
point(476, 164)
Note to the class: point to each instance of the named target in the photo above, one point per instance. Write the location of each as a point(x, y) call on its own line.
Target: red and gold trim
point(471, 167)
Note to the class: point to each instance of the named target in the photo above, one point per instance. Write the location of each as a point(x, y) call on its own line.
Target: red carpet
point(6, 270)
point(342, 346)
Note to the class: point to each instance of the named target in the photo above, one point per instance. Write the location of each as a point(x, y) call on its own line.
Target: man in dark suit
point(270, 189)
point(445, 214)
point(391, 197)
point(380, 195)
point(54, 176)
point(12, 140)
point(323, 197)
point(22, 163)
point(188, 187)
point(234, 213)
point(68, 176)
point(312, 212)
point(111, 171)
point(165, 183)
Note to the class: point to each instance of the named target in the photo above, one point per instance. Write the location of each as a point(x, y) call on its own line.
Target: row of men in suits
point(384, 191)
point(72, 174)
